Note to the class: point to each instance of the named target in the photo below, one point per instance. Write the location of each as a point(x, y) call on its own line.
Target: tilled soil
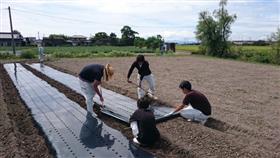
point(19, 136)
point(244, 97)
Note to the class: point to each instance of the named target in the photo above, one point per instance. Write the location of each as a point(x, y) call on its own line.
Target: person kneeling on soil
point(199, 109)
point(144, 73)
point(90, 81)
point(143, 124)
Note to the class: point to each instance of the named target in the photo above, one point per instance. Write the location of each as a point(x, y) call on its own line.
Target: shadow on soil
point(216, 124)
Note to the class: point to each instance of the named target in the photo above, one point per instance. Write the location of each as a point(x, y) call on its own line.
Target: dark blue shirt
point(143, 70)
point(92, 72)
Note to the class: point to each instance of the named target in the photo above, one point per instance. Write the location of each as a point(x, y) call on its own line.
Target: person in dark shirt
point(90, 79)
point(144, 73)
point(199, 109)
point(143, 124)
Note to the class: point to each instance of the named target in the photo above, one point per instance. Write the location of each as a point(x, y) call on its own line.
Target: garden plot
point(71, 131)
point(117, 105)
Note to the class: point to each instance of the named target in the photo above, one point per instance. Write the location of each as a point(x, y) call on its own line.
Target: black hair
point(140, 58)
point(144, 102)
point(185, 85)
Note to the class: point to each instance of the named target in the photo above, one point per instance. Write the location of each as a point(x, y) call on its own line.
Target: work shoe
point(155, 98)
point(136, 141)
point(152, 96)
point(203, 122)
point(93, 114)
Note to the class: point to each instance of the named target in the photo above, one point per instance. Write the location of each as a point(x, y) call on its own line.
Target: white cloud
point(170, 18)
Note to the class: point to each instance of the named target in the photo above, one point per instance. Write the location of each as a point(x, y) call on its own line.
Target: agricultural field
point(256, 49)
point(78, 52)
point(244, 98)
point(260, 54)
point(188, 48)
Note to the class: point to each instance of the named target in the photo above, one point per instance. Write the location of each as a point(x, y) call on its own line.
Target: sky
point(175, 20)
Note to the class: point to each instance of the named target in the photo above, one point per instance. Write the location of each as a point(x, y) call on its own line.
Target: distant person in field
point(143, 124)
point(144, 73)
point(90, 79)
point(198, 107)
point(41, 54)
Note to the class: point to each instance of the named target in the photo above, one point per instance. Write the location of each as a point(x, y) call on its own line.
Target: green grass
point(188, 48)
point(256, 49)
point(261, 54)
point(79, 52)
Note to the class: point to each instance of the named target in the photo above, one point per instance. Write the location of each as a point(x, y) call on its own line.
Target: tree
point(275, 44)
point(154, 42)
point(113, 39)
point(128, 36)
point(58, 36)
point(139, 42)
point(17, 32)
point(214, 30)
point(101, 38)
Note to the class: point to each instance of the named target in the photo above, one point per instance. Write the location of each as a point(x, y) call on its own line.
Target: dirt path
point(244, 96)
point(18, 135)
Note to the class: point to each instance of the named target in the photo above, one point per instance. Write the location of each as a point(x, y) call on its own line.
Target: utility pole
point(12, 32)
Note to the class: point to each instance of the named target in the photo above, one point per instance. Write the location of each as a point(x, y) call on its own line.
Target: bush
point(276, 57)
point(6, 55)
point(28, 55)
point(262, 57)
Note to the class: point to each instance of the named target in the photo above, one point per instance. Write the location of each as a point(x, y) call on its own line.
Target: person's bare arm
point(178, 108)
point(95, 87)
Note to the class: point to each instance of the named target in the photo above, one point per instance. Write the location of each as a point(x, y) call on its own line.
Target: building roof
point(8, 35)
point(78, 36)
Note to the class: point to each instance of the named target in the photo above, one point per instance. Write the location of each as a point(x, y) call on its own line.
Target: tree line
point(128, 38)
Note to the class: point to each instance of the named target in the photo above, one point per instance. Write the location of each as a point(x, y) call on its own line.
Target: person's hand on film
point(102, 102)
point(169, 114)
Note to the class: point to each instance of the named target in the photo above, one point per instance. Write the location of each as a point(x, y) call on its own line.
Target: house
point(30, 41)
point(77, 40)
point(53, 41)
point(170, 46)
point(6, 39)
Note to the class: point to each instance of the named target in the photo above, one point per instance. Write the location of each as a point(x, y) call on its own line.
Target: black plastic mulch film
point(70, 130)
point(118, 106)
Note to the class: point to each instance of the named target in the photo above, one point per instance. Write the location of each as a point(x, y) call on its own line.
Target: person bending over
point(144, 73)
point(90, 79)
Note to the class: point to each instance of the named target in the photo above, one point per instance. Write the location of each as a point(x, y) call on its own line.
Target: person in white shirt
point(41, 54)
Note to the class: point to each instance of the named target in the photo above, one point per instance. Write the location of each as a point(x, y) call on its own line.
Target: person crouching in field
point(144, 73)
point(199, 109)
point(90, 79)
point(143, 124)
